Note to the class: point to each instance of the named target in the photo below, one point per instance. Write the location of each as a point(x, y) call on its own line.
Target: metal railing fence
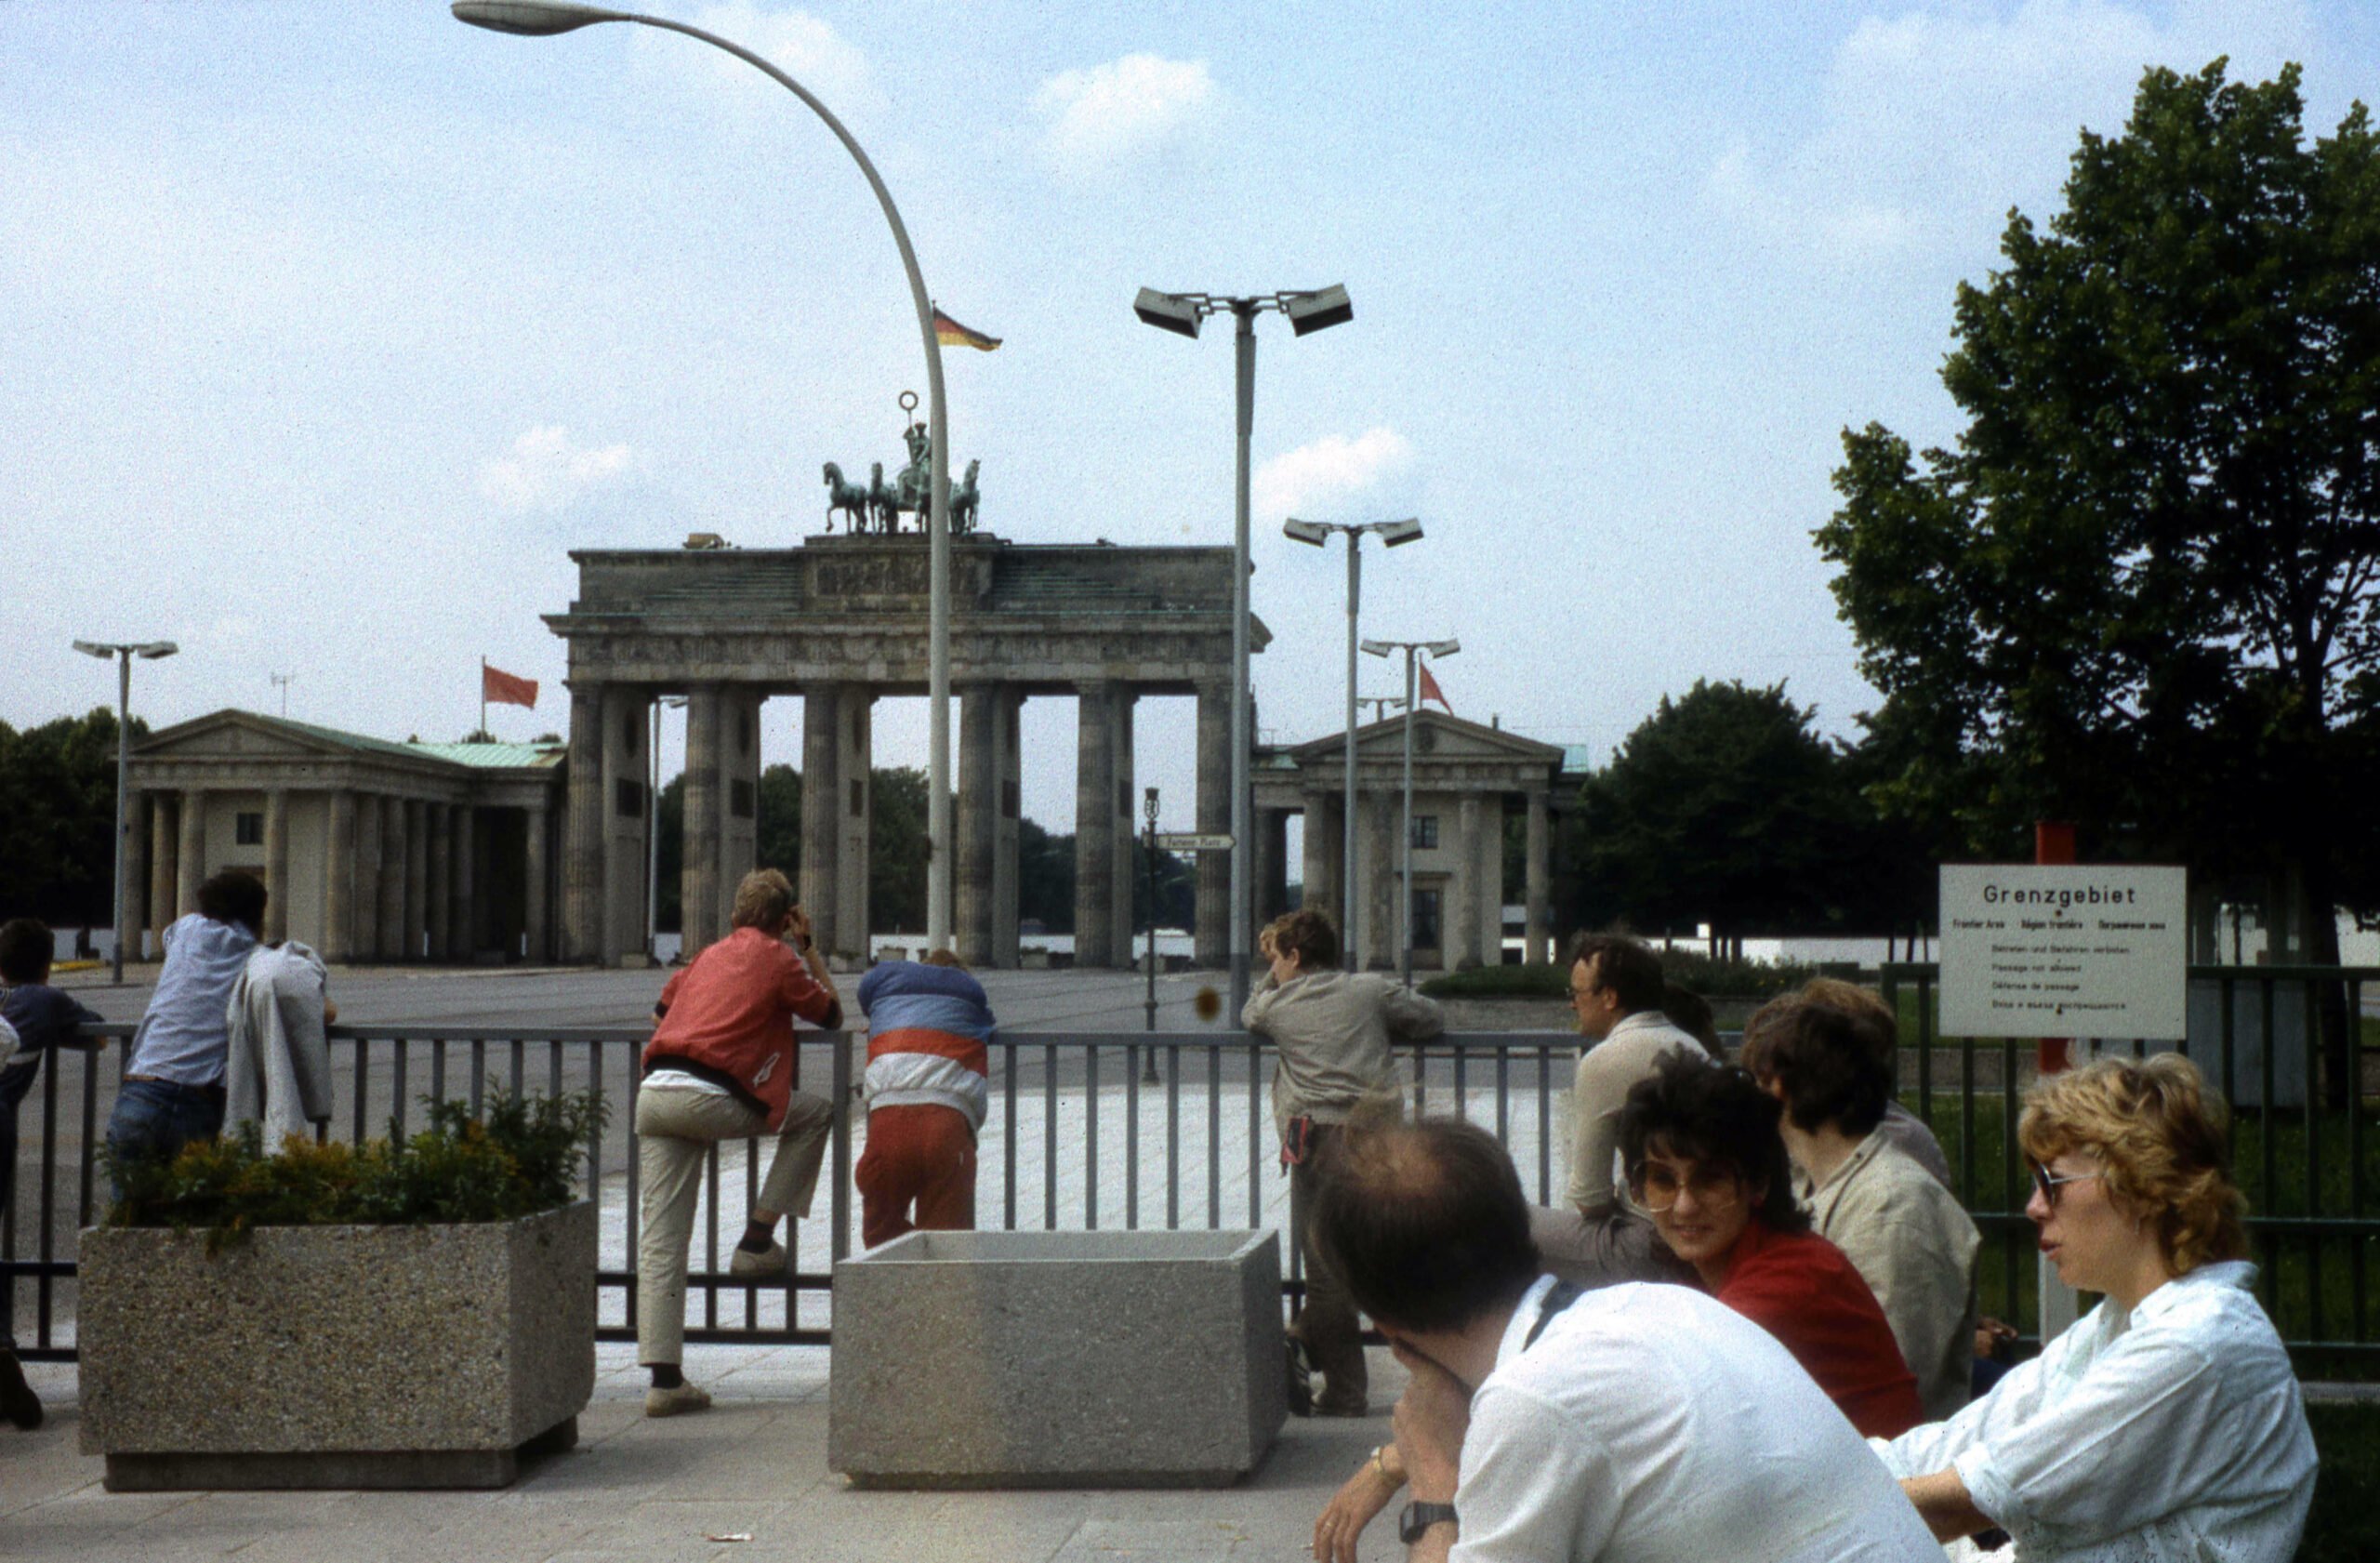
point(1134, 1130)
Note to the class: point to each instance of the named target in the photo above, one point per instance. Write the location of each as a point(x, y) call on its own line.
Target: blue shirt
point(184, 1037)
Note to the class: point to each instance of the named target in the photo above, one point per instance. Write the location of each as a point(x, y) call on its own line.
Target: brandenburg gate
point(840, 621)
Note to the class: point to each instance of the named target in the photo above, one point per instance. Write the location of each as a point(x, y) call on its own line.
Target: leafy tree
point(1177, 888)
point(57, 797)
point(669, 856)
point(2143, 589)
point(1724, 807)
point(778, 828)
point(1045, 878)
point(896, 850)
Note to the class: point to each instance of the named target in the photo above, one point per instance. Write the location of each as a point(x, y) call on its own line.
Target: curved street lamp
point(543, 18)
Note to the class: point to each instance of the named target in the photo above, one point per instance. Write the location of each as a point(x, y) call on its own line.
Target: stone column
point(536, 870)
point(821, 811)
point(1472, 876)
point(1320, 891)
point(136, 874)
point(192, 871)
point(440, 866)
point(369, 846)
point(1383, 928)
point(1096, 825)
point(739, 794)
point(698, 883)
point(627, 818)
point(1272, 864)
point(396, 851)
point(1004, 840)
point(276, 864)
point(1213, 931)
point(163, 865)
point(979, 756)
point(462, 907)
point(1128, 815)
point(582, 867)
point(416, 917)
point(339, 879)
point(1533, 931)
point(854, 768)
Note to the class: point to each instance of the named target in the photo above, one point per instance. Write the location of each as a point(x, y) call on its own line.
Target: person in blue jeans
point(44, 1020)
point(173, 1082)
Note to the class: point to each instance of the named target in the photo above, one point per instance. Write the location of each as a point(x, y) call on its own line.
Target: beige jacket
point(1912, 1243)
point(1336, 1032)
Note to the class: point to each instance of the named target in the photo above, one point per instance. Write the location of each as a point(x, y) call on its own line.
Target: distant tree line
point(58, 819)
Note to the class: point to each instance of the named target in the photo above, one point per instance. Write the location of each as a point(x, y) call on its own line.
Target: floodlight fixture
point(1443, 648)
point(529, 19)
point(92, 648)
point(1377, 648)
point(1317, 311)
point(1169, 311)
point(1394, 533)
point(155, 649)
point(1312, 532)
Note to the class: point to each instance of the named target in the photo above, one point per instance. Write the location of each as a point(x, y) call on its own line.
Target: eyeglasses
point(2047, 1184)
point(1577, 993)
point(1657, 1187)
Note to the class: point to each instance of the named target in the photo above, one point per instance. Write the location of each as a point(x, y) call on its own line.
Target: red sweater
point(1800, 1288)
point(730, 1016)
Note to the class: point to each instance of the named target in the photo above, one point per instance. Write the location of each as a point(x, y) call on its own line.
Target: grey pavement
point(753, 1466)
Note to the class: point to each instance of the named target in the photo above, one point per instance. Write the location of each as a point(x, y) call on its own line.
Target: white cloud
point(1122, 109)
point(546, 471)
point(1316, 479)
point(1936, 121)
point(804, 46)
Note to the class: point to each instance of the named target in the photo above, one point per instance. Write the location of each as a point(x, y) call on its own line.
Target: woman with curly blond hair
point(2167, 1424)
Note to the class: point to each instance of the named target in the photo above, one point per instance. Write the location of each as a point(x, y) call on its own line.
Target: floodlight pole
point(542, 18)
point(1412, 650)
point(1349, 900)
point(124, 653)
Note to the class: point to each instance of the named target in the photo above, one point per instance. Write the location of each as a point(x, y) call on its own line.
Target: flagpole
point(483, 696)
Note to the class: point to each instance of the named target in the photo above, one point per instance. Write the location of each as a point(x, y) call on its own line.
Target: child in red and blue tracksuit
point(929, 1039)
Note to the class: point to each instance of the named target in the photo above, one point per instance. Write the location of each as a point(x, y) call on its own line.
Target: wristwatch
point(1418, 1518)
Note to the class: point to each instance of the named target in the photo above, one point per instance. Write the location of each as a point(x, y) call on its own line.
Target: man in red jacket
point(719, 1066)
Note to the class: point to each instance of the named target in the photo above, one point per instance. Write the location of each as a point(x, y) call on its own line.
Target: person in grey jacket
point(1335, 1032)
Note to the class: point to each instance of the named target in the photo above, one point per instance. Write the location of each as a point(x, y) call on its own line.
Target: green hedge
point(1713, 979)
point(521, 1157)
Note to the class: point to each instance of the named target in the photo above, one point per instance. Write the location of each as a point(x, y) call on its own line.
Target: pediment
point(1436, 736)
point(236, 734)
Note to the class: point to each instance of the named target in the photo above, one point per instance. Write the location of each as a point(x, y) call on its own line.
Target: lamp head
point(1377, 648)
point(1166, 311)
point(1306, 531)
point(1319, 310)
point(92, 648)
point(1393, 533)
point(1443, 648)
point(1148, 804)
point(155, 649)
point(530, 18)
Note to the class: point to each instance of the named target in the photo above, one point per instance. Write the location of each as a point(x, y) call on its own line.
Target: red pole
point(2053, 845)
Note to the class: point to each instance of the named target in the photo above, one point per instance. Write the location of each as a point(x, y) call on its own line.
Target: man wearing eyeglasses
point(1600, 1235)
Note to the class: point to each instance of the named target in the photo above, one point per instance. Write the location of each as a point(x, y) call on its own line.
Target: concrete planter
point(310, 1356)
point(1057, 1359)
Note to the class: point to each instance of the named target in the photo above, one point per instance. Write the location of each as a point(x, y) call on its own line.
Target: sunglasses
point(1656, 1188)
point(2047, 1184)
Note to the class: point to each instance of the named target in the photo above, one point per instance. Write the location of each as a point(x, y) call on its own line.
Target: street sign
point(2094, 951)
point(1183, 841)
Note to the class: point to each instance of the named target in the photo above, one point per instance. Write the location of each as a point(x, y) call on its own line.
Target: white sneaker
point(769, 1263)
point(673, 1402)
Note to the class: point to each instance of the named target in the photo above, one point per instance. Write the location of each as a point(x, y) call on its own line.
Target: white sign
point(2085, 952)
point(1183, 841)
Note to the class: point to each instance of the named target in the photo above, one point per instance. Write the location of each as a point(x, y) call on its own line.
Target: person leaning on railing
point(2167, 1422)
point(719, 1066)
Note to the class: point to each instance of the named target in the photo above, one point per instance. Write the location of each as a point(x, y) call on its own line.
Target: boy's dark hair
point(1627, 966)
point(1690, 1013)
point(234, 896)
point(1716, 1115)
point(1424, 1223)
point(26, 947)
point(1830, 1072)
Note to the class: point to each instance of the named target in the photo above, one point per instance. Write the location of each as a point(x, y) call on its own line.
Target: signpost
point(2082, 951)
point(1185, 841)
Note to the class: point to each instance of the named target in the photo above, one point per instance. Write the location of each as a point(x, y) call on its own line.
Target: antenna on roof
point(284, 680)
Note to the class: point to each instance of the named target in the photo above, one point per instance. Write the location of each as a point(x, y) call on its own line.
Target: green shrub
point(523, 1157)
point(1538, 981)
point(1713, 979)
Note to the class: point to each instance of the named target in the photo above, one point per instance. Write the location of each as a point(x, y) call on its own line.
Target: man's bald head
point(1424, 1223)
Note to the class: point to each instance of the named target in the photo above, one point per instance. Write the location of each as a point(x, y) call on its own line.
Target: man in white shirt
point(1598, 1235)
point(1641, 1423)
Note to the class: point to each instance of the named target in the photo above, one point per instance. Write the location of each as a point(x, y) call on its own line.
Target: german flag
point(950, 334)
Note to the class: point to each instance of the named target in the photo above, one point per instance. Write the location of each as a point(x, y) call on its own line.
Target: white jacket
point(279, 1067)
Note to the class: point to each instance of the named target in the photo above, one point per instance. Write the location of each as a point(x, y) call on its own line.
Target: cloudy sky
point(326, 330)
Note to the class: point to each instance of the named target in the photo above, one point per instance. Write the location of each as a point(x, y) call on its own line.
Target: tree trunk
point(2318, 906)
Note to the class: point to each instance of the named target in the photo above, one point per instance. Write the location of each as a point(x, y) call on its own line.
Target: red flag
point(503, 688)
point(1430, 690)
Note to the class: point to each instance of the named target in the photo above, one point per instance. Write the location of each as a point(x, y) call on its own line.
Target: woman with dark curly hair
point(2167, 1422)
point(1704, 1157)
